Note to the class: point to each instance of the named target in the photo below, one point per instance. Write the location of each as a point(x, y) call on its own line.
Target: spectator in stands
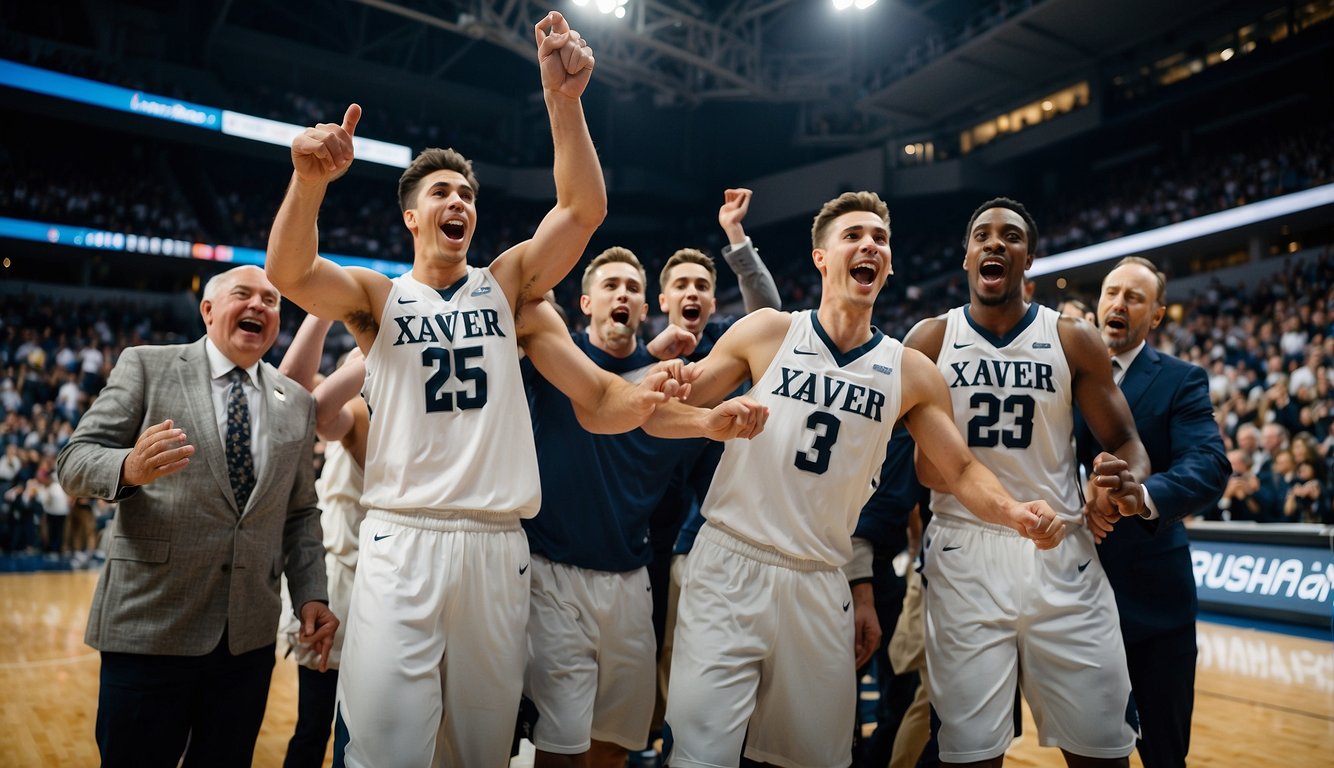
point(1243, 496)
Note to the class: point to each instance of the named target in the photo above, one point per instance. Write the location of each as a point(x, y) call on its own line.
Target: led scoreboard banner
point(1280, 571)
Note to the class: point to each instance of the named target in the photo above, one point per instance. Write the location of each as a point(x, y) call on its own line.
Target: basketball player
point(689, 278)
point(997, 613)
point(433, 657)
point(590, 631)
point(341, 420)
point(764, 639)
point(686, 294)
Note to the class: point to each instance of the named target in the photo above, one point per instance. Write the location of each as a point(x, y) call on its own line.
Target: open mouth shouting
point(1116, 323)
point(251, 325)
point(621, 316)
point(865, 272)
point(992, 272)
point(691, 312)
point(454, 229)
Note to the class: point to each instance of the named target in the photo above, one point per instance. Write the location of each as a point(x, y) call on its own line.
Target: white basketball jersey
point(800, 485)
point(1012, 403)
point(450, 432)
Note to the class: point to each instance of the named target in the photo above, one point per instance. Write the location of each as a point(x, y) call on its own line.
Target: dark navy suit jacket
point(1148, 561)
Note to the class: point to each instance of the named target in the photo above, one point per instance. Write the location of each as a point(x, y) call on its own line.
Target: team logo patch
point(885, 369)
point(1041, 345)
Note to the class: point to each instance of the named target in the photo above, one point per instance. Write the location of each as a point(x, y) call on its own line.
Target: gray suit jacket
point(184, 562)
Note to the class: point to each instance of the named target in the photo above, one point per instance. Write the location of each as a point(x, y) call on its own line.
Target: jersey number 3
point(988, 407)
point(439, 400)
point(816, 458)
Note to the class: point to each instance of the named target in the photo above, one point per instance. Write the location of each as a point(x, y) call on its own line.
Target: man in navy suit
point(1147, 559)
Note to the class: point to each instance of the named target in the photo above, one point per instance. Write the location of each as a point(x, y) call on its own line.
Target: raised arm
point(321, 154)
point(929, 417)
point(338, 402)
point(566, 62)
point(301, 363)
point(758, 289)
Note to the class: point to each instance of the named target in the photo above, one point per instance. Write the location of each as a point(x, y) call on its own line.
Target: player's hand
point(563, 56)
point(318, 625)
point(674, 341)
point(1099, 514)
point(160, 451)
point(740, 417)
point(1113, 477)
point(867, 623)
point(1043, 527)
point(324, 152)
point(736, 202)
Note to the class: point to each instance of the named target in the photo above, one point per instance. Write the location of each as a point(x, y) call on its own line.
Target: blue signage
point(1267, 580)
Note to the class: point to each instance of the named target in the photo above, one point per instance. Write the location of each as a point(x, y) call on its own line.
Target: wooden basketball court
point(1263, 699)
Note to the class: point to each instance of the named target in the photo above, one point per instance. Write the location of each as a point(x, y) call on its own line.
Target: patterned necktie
point(240, 462)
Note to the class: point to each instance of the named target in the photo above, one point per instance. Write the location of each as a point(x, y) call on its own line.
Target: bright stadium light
point(842, 5)
point(607, 7)
point(863, 4)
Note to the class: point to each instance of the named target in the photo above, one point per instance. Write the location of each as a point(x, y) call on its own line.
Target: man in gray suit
point(208, 451)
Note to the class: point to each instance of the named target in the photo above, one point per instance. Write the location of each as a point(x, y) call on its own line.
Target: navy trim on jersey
point(844, 358)
point(1000, 342)
point(448, 293)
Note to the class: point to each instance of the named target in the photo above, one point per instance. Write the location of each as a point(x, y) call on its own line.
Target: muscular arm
point(929, 417)
point(581, 193)
point(1106, 413)
point(321, 154)
point(744, 352)
point(926, 337)
point(603, 402)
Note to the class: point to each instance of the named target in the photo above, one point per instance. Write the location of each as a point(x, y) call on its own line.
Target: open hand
point(160, 451)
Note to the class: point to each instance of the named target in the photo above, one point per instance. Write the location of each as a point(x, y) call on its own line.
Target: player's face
point(615, 301)
point(855, 261)
point(687, 298)
point(1128, 307)
point(242, 317)
point(997, 256)
point(445, 216)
